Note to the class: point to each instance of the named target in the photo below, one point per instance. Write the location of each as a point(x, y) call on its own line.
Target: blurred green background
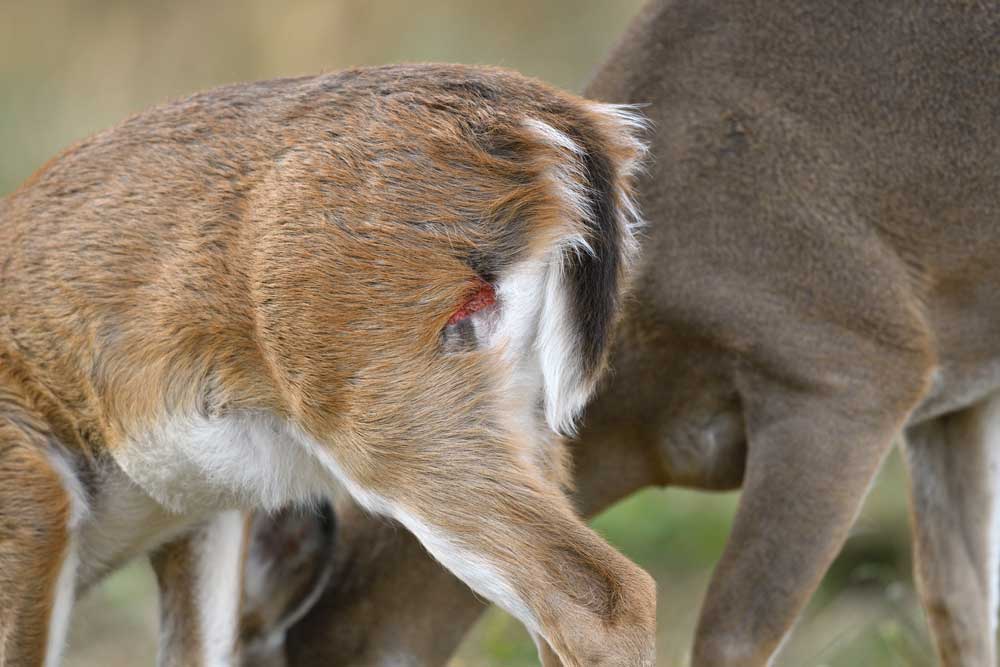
point(71, 67)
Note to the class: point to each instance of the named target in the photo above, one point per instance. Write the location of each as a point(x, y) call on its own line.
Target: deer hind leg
point(40, 503)
point(811, 459)
point(200, 578)
point(512, 536)
point(954, 465)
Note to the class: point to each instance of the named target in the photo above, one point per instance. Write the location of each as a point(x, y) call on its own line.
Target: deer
point(287, 561)
point(397, 283)
point(818, 280)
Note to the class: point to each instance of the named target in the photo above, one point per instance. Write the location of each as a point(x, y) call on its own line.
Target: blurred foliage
point(69, 68)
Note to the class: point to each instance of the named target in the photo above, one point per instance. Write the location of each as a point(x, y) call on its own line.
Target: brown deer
point(288, 560)
point(398, 282)
point(819, 278)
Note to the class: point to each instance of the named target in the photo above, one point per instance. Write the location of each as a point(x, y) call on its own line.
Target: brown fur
point(33, 519)
point(288, 253)
point(819, 275)
point(180, 640)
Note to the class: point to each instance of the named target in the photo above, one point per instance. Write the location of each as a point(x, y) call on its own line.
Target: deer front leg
point(811, 459)
point(41, 501)
point(200, 580)
point(954, 468)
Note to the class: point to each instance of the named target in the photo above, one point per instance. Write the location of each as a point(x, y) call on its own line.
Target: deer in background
point(820, 277)
point(399, 282)
point(287, 561)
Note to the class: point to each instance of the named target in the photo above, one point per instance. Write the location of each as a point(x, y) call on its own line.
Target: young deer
point(819, 279)
point(397, 281)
